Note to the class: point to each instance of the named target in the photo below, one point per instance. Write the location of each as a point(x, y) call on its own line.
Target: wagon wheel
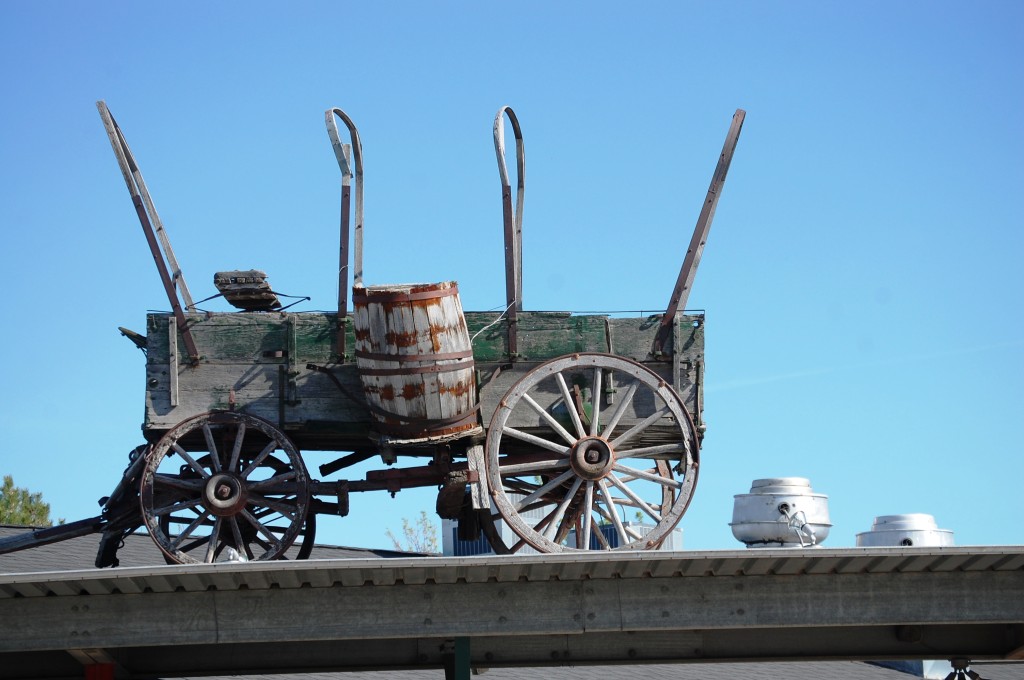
point(572, 470)
point(306, 538)
point(225, 486)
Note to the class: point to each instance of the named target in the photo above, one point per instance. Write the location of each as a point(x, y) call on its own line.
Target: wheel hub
point(592, 458)
point(225, 494)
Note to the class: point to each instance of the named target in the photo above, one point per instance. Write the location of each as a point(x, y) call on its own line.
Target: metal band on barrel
point(395, 296)
point(403, 358)
point(429, 427)
point(414, 370)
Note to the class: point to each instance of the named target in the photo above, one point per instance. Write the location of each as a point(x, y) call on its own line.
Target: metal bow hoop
point(350, 160)
point(513, 220)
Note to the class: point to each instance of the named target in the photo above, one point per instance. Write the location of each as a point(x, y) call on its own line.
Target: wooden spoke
point(610, 521)
point(619, 441)
point(189, 529)
point(610, 504)
point(211, 545)
point(260, 527)
point(192, 545)
point(537, 441)
point(190, 460)
point(549, 419)
point(259, 459)
point(211, 446)
point(595, 402)
point(236, 450)
point(626, 473)
point(570, 404)
point(535, 467)
point(173, 507)
point(271, 484)
point(559, 514)
point(640, 474)
point(178, 483)
point(588, 516)
point(653, 451)
point(601, 538)
point(624, 403)
point(236, 535)
point(286, 509)
point(637, 501)
point(521, 486)
point(570, 524)
point(556, 482)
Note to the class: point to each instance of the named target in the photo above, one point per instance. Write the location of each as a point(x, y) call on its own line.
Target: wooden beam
point(754, 604)
point(684, 282)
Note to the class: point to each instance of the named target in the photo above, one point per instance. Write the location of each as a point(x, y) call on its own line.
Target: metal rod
point(512, 221)
point(350, 158)
point(700, 234)
point(37, 537)
point(346, 198)
point(346, 461)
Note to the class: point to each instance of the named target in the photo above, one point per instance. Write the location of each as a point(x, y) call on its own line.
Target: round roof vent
point(914, 529)
point(780, 512)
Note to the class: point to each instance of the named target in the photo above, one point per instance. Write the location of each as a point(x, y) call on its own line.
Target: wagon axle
point(592, 458)
point(225, 495)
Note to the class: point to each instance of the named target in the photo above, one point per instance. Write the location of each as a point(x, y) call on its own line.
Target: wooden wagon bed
point(260, 363)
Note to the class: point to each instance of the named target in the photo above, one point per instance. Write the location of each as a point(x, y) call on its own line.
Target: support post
point(172, 277)
point(350, 158)
point(457, 660)
point(99, 671)
point(700, 235)
point(512, 220)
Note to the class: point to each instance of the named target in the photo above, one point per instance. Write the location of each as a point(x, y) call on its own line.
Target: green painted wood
point(257, 361)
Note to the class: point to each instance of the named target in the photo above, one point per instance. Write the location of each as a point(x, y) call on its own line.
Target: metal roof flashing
point(512, 568)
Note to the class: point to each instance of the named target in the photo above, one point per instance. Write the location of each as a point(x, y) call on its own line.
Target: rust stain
point(410, 392)
point(436, 331)
point(387, 392)
point(459, 389)
point(394, 339)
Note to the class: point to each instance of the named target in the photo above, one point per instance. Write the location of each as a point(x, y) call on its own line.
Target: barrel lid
point(406, 287)
point(404, 292)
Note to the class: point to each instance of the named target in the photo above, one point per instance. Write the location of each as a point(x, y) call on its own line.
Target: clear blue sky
point(863, 279)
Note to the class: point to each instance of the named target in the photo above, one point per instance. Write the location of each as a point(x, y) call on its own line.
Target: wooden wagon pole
point(513, 222)
point(172, 278)
point(700, 235)
point(350, 156)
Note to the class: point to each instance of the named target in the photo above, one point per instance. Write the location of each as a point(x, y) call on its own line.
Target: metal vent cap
point(780, 512)
point(912, 529)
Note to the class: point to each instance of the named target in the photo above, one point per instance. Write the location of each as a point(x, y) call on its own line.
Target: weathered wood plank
point(243, 355)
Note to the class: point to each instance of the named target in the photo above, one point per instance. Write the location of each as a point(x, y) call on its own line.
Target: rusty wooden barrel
point(415, 361)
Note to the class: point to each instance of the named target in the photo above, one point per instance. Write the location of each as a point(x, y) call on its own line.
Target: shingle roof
point(138, 551)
